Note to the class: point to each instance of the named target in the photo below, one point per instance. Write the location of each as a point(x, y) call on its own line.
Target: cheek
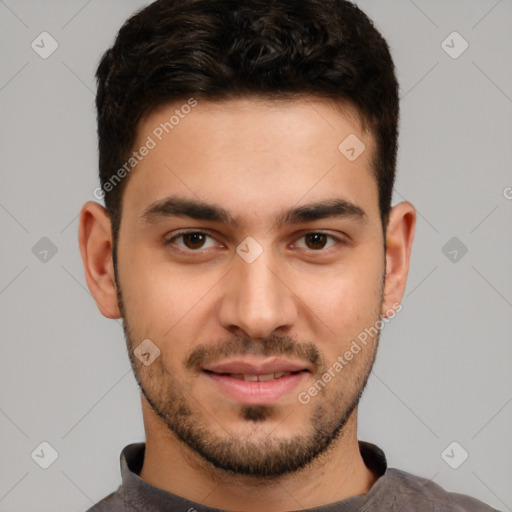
point(344, 304)
point(149, 296)
point(163, 301)
point(348, 294)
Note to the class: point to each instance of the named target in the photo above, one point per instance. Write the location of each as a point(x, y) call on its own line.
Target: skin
point(299, 300)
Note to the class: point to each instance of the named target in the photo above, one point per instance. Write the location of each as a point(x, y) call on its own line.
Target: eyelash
point(171, 240)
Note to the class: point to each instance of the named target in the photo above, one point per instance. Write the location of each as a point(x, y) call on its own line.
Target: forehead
point(253, 156)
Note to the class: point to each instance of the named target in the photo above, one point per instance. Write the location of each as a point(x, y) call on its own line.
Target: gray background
point(443, 370)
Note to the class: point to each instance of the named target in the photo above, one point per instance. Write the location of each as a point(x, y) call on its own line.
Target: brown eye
point(194, 240)
point(191, 241)
point(316, 240)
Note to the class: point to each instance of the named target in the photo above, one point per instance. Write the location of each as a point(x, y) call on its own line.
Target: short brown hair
point(220, 49)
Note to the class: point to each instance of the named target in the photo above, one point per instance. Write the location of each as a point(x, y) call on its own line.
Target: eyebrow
point(175, 206)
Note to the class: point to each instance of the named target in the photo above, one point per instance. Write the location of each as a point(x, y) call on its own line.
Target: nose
point(257, 299)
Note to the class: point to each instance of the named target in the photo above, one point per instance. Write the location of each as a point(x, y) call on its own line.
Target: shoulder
point(418, 493)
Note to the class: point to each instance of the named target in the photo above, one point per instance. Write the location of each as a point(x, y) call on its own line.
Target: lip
point(257, 366)
point(256, 392)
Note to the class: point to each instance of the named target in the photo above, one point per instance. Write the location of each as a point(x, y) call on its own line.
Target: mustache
point(277, 345)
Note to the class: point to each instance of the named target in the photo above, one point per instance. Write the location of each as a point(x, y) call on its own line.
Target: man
point(247, 161)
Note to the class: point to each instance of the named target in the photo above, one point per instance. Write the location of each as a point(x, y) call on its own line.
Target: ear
point(95, 240)
point(399, 238)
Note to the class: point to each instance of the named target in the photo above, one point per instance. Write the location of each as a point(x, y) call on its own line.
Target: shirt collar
point(149, 498)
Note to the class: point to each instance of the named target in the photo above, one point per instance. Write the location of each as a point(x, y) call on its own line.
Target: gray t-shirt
point(394, 491)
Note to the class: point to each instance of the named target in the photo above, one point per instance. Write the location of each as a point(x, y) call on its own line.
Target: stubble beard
point(259, 458)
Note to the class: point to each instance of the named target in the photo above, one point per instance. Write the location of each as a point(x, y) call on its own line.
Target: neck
point(336, 475)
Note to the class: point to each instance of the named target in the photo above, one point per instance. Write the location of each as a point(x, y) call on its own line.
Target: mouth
point(255, 382)
point(252, 377)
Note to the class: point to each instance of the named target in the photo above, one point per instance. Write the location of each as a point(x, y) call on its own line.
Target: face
point(251, 245)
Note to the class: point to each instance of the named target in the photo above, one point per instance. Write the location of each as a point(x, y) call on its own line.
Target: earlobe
point(399, 240)
point(95, 241)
